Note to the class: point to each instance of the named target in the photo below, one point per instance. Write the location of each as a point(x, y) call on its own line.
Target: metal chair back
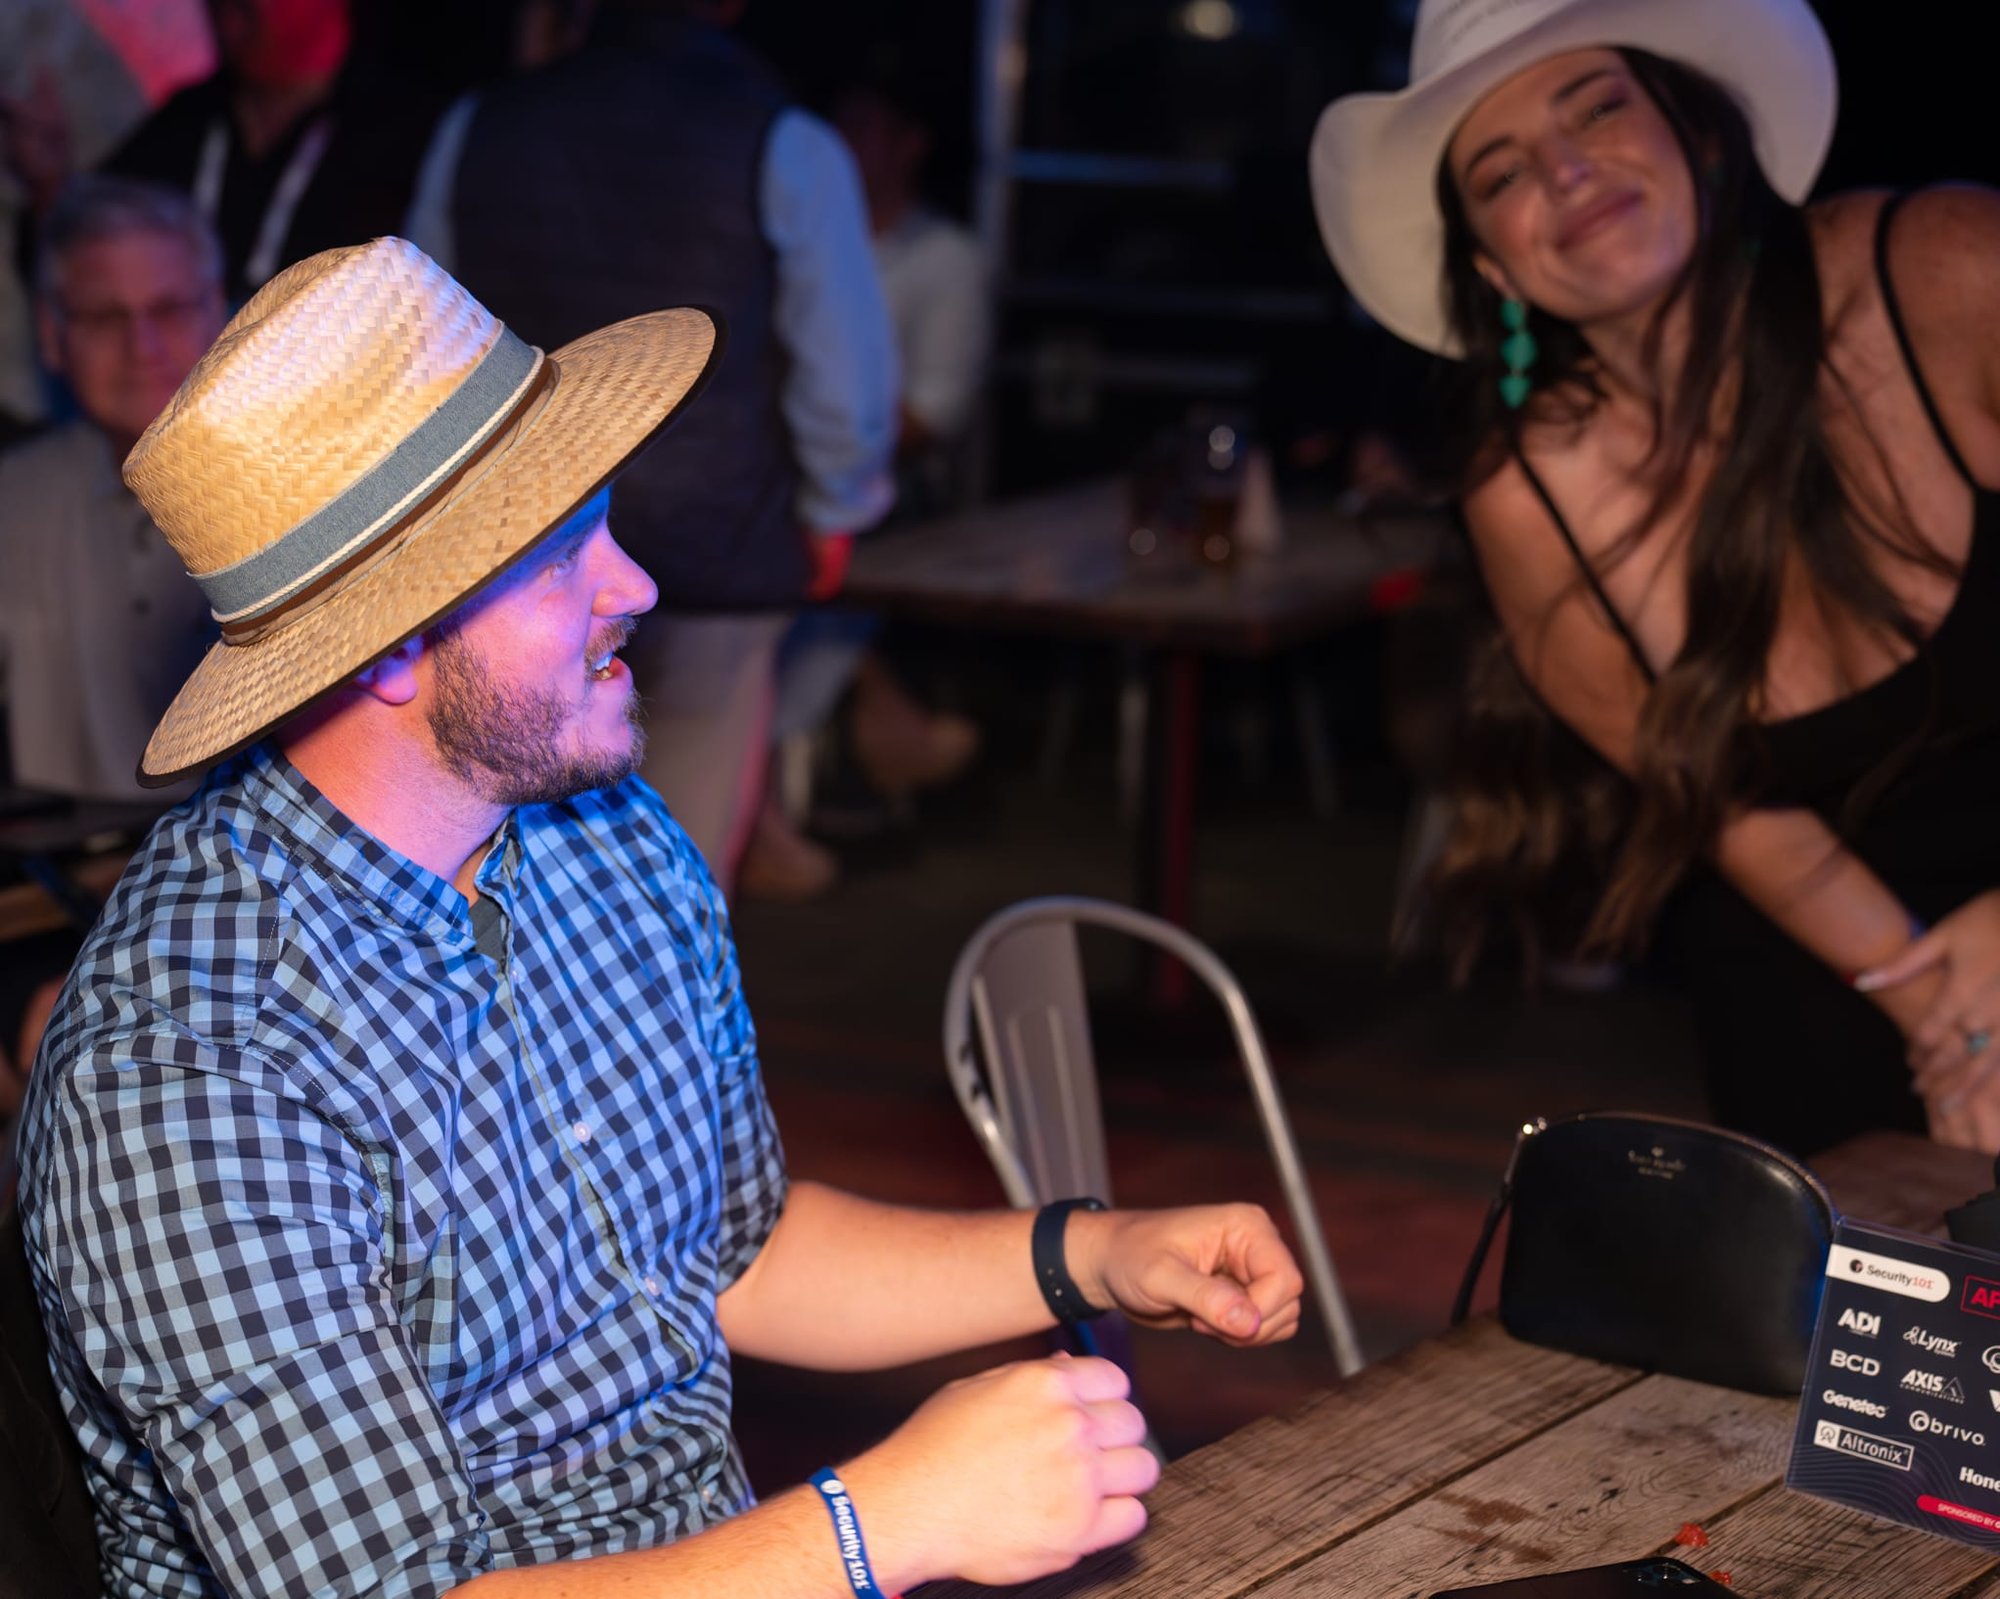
point(1017, 1047)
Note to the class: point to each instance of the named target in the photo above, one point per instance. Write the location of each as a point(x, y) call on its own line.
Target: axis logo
point(1932, 1386)
point(1981, 1297)
point(1867, 1324)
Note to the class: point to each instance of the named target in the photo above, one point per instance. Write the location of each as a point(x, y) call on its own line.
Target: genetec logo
point(1981, 1297)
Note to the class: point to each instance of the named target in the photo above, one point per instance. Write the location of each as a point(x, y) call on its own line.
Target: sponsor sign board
point(1906, 1344)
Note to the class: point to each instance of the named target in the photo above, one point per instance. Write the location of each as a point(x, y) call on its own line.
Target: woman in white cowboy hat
point(1731, 492)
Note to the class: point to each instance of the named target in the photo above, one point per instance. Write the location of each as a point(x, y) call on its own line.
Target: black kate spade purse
point(1664, 1244)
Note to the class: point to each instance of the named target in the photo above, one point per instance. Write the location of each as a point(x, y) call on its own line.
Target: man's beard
point(509, 745)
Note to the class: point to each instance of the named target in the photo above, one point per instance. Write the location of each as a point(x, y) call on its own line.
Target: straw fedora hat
point(1375, 157)
point(364, 447)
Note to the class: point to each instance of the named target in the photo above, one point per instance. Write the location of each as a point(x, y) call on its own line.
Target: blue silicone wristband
point(847, 1532)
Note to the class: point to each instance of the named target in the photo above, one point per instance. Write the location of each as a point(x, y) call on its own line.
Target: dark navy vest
point(620, 181)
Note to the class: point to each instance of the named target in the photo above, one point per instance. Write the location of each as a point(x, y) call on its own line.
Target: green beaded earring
point(1518, 351)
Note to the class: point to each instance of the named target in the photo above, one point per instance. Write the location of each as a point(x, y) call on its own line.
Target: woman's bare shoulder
point(1942, 245)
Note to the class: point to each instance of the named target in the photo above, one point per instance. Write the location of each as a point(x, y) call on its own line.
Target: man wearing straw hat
point(397, 1175)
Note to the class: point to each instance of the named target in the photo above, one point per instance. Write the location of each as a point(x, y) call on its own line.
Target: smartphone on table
point(1633, 1579)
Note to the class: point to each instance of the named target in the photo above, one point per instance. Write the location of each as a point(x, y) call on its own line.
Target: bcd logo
point(1862, 1323)
point(1981, 1297)
point(1860, 1365)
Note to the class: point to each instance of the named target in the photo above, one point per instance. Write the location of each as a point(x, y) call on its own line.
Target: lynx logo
point(1979, 1479)
point(1864, 1445)
point(1931, 1344)
point(1924, 1421)
point(1859, 1406)
point(1932, 1386)
point(1865, 1324)
point(1981, 1297)
point(1860, 1365)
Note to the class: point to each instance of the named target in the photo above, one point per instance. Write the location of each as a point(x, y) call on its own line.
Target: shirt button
point(652, 1285)
point(582, 1130)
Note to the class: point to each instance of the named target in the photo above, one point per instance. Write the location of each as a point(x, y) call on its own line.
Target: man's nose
point(143, 338)
point(623, 588)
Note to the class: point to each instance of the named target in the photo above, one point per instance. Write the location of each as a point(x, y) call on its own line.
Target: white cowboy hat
point(363, 448)
point(1375, 157)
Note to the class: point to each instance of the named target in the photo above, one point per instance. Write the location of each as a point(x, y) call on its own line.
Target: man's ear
point(393, 678)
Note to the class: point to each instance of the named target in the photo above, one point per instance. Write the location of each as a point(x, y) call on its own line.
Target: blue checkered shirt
point(379, 1240)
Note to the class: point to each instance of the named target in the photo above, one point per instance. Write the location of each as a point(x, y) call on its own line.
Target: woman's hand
point(1955, 1044)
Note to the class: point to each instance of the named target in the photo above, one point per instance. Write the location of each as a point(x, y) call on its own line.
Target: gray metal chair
point(1017, 1046)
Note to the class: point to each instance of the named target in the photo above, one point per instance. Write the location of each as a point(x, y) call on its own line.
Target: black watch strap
point(1065, 1299)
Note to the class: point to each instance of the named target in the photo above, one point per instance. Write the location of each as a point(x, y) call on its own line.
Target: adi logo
point(1862, 1323)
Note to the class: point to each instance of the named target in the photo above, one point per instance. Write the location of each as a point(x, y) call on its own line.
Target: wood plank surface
point(1231, 1516)
point(1611, 1483)
point(1783, 1545)
point(1057, 563)
point(1901, 1180)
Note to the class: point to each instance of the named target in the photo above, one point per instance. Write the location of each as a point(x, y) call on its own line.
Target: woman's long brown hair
point(1537, 811)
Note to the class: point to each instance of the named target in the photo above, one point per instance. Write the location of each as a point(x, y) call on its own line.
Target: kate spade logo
point(1655, 1162)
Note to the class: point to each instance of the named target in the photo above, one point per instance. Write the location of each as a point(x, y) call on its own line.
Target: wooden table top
point(1473, 1458)
point(1057, 563)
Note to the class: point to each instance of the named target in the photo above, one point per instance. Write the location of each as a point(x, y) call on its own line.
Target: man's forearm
point(782, 1549)
point(845, 1284)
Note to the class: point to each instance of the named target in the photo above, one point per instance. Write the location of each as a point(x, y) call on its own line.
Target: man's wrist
point(1067, 1254)
point(895, 1540)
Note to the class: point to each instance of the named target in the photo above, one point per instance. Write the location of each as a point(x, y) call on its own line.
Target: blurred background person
point(291, 145)
point(704, 185)
point(99, 624)
point(940, 299)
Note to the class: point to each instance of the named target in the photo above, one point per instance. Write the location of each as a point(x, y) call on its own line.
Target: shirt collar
point(298, 814)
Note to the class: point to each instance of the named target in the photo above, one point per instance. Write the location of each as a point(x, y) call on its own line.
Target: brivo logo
point(1981, 1297)
point(1867, 1324)
point(1991, 1360)
point(1932, 1386)
point(1924, 1421)
point(1894, 1276)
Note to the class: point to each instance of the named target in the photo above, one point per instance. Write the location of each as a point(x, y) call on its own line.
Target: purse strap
point(1462, 1306)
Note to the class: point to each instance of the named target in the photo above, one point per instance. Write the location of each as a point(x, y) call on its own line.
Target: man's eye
point(1605, 108)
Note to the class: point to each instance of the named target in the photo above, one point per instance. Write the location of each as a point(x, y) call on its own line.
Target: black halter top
point(1929, 729)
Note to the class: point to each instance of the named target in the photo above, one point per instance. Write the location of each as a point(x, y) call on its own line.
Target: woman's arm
point(1787, 863)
